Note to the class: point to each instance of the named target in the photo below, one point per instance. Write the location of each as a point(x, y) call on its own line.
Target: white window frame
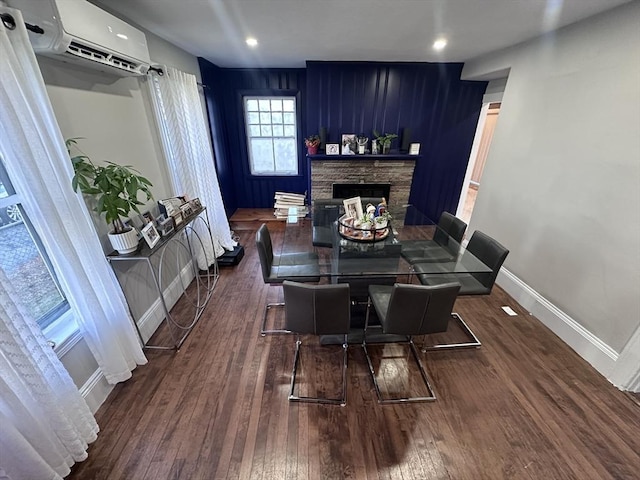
point(63, 330)
point(271, 96)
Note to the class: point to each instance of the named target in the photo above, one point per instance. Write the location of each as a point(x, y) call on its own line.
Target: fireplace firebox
point(369, 190)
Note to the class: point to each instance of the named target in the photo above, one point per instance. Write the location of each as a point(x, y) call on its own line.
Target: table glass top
point(409, 238)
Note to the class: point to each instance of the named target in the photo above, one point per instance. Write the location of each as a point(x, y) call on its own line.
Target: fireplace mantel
point(396, 170)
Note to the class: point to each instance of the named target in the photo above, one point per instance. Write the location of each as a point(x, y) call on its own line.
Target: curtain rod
point(160, 72)
point(10, 23)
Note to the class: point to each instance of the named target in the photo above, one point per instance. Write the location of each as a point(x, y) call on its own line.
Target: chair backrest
point(449, 226)
point(325, 211)
point(489, 252)
point(317, 309)
point(265, 251)
point(420, 310)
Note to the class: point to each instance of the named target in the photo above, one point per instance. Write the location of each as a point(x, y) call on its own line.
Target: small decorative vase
point(386, 147)
point(126, 242)
point(312, 150)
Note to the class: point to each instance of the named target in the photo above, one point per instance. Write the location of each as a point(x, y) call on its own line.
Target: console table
point(191, 236)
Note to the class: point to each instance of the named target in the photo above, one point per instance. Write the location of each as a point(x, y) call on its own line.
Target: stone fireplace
point(327, 170)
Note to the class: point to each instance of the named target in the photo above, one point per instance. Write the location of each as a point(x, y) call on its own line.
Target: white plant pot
point(381, 224)
point(126, 242)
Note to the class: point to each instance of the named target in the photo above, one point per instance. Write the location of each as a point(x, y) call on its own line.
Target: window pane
point(25, 268)
point(289, 105)
point(265, 118)
point(276, 105)
point(278, 131)
point(265, 105)
point(262, 154)
point(265, 130)
point(252, 105)
point(253, 117)
point(290, 118)
point(285, 154)
point(289, 131)
point(254, 130)
point(276, 117)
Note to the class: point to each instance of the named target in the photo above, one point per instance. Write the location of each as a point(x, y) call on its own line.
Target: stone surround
point(396, 171)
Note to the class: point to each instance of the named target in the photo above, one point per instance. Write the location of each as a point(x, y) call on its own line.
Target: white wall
point(114, 117)
point(561, 188)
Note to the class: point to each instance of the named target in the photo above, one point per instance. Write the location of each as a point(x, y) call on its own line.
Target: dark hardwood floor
point(522, 406)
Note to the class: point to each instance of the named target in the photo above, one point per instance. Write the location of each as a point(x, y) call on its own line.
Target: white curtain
point(46, 425)
point(39, 168)
point(185, 141)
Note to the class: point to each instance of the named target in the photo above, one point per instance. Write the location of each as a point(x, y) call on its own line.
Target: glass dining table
point(408, 239)
point(382, 256)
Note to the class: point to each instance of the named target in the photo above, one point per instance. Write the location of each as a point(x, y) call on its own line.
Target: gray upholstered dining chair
point(317, 310)
point(410, 310)
point(441, 248)
point(325, 212)
point(300, 267)
point(489, 252)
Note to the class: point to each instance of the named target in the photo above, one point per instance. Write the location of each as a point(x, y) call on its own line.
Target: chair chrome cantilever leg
point(263, 327)
point(414, 351)
point(474, 343)
point(342, 401)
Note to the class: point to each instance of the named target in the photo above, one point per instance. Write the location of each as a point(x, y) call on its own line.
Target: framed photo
point(171, 205)
point(414, 149)
point(353, 207)
point(166, 227)
point(147, 217)
point(349, 144)
point(150, 234)
point(177, 218)
point(186, 210)
point(333, 149)
point(196, 204)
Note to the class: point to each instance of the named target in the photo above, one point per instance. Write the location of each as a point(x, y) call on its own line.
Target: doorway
point(481, 143)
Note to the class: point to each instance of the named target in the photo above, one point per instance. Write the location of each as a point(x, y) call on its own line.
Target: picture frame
point(166, 227)
point(150, 234)
point(349, 144)
point(414, 149)
point(177, 219)
point(196, 204)
point(353, 207)
point(186, 210)
point(147, 217)
point(332, 149)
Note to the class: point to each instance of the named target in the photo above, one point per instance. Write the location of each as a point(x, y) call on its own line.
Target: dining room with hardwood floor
point(524, 405)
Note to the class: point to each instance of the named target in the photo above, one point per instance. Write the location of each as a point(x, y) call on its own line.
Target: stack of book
point(289, 204)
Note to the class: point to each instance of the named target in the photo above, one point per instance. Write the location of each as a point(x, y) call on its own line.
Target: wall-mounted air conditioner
point(77, 31)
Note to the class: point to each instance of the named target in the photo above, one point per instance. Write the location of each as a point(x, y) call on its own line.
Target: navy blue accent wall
point(440, 110)
point(240, 189)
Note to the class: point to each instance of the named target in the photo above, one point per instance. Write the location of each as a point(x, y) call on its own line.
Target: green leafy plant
point(384, 140)
point(115, 187)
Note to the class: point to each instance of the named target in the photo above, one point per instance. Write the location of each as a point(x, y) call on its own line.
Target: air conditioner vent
point(84, 51)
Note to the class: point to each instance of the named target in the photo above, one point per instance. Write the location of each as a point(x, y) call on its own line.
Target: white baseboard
point(600, 355)
point(153, 317)
point(96, 389)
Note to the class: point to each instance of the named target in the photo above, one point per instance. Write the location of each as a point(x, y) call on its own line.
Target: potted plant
point(312, 143)
point(116, 189)
point(384, 141)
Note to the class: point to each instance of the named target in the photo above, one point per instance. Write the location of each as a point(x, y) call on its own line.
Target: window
point(24, 261)
point(271, 135)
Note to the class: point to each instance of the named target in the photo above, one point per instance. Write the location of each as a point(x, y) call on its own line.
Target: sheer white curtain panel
point(46, 424)
point(38, 165)
point(185, 140)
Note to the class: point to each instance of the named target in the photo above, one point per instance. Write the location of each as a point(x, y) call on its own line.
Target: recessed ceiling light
point(252, 42)
point(439, 44)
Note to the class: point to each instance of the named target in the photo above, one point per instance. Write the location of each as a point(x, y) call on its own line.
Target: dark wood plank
point(522, 406)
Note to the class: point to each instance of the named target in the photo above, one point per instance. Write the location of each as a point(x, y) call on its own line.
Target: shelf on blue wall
point(391, 156)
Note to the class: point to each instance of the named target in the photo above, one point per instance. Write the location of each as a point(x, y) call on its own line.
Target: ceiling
point(289, 32)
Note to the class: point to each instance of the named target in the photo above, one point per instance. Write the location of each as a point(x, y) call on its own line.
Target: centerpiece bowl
point(359, 231)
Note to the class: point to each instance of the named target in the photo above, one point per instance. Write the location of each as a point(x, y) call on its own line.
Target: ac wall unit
point(79, 32)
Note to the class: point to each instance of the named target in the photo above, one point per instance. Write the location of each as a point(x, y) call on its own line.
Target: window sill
point(64, 333)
